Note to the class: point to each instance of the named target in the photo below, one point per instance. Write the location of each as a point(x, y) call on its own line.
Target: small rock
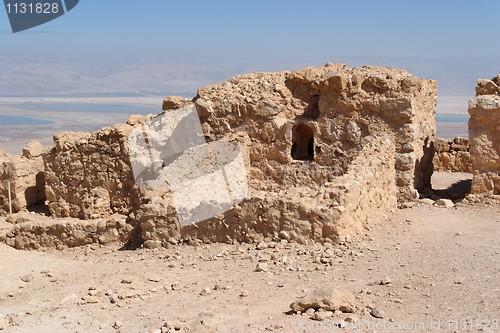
point(174, 325)
point(176, 286)
point(205, 291)
point(27, 278)
point(408, 204)
point(386, 280)
point(262, 246)
point(310, 312)
point(321, 315)
point(117, 325)
point(427, 201)
point(327, 298)
point(128, 294)
point(174, 102)
point(4, 323)
point(346, 309)
point(154, 279)
point(377, 313)
point(262, 267)
point(446, 203)
point(33, 149)
point(127, 281)
point(91, 299)
point(351, 319)
point(244, 293)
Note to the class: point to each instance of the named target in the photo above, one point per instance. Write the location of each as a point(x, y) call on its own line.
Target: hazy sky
point(454, 41)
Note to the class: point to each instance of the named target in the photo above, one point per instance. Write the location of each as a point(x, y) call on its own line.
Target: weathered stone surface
point(340, 105)
point(26, 179)
point(487, 87)
point(33, 149)
point(328, 298)
point(89, 175)
point(452, 155)
point(324, 152)
point(174, 102)
point(138, 119)
point(446, 203)
point(42, 232)
point(484, 129)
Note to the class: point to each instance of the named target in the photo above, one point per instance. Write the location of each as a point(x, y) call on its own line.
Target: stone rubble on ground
point(445, 203)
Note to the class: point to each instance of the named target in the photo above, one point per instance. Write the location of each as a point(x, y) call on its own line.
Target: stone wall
point(327, 150)
point(340, 105)
point(324, 152)
point(332, 212)
point(34, 232)
point(452, 155)
point(26, 177)
point(88, 175)
point(484, 136)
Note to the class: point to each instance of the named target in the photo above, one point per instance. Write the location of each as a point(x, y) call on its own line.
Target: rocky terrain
point(317, 205)
point(425, 269)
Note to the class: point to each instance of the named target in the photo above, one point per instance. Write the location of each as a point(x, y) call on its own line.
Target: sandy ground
point(442, 267)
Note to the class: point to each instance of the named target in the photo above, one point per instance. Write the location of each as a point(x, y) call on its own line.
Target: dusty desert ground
point(425, 269)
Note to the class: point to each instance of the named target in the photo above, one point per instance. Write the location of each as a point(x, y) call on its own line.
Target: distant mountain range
point(32, 76)
point(27, 76)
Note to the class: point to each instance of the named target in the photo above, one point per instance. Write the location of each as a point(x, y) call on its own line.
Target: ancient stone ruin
point(484, 136)
point(88, 175)
point(452, 155)
point(323, 151)
point(315, 154)
point(23, 177)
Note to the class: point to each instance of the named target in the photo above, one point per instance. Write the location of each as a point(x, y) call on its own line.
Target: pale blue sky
point(455, 41)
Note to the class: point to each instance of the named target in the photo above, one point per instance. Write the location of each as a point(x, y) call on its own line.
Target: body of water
point(447, 118)
point(88, 108)
point(9, 120)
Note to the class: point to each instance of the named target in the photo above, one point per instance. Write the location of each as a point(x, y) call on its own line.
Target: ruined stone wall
point(340, 105)
point(484, 136)
point(26, 178)
point(452, 155)
point(31, 233)
point(89, 175)
point(332, 212)
point(325, 151)
point(373, 132)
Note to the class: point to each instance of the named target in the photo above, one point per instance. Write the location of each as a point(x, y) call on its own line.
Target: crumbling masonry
point(326, 151)
point(484, 136)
